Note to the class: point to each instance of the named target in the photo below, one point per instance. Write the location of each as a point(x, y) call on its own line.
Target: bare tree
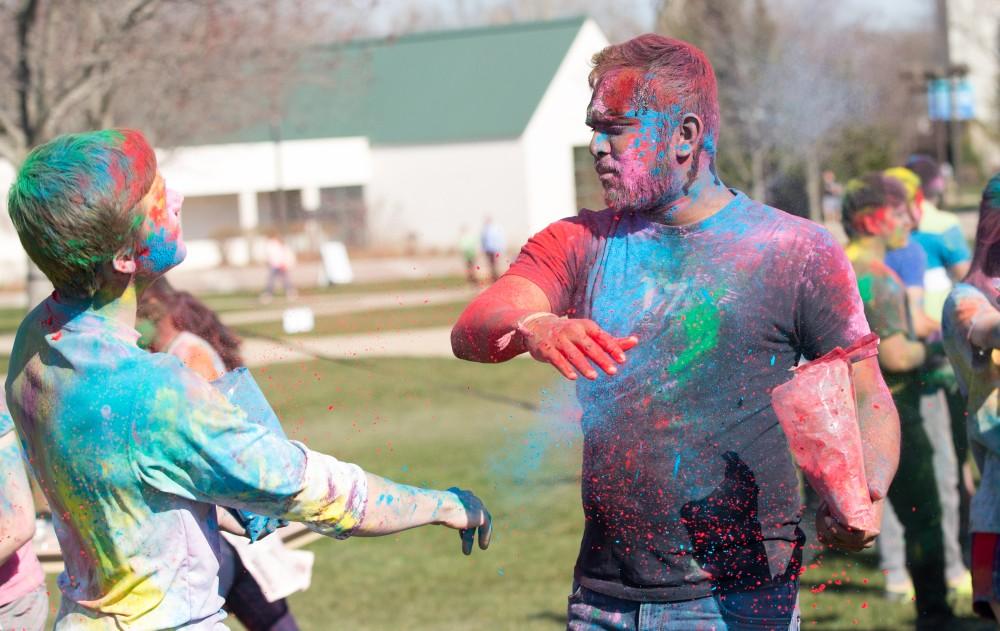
point(179, 69)
point(791, 79)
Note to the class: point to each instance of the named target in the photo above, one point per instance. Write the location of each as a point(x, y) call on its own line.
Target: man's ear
point(124, 263)
point(869, 223)
point(689, 134)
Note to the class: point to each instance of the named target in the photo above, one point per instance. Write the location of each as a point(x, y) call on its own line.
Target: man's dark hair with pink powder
point(679, 74)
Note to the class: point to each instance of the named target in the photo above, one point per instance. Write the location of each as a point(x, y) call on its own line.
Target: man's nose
point(599, 145)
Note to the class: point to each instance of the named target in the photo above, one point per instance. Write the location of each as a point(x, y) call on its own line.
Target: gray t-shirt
point(688, 484)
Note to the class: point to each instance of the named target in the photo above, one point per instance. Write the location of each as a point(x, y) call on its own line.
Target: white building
point(974, 41)
point(399, 143)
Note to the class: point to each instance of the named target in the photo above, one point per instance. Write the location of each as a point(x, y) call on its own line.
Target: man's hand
point(833, 533)
point(571, 344)
point(469, 514)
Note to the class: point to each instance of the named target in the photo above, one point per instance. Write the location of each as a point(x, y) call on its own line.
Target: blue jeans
point(771, 609)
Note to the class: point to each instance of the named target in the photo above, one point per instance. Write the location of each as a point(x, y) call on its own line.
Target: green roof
point(425, 88)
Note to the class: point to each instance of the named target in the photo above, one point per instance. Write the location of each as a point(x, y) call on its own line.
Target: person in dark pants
point(877, 219)
point(493, 245)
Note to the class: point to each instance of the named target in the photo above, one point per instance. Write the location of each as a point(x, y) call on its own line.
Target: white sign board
point(298, 320)
point(336, 266)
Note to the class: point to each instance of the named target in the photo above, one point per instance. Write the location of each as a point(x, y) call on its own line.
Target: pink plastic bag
point(818, 412)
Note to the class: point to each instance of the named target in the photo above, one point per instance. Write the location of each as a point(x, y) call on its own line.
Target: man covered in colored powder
point(132, 449)
point(876, 215)
point(971, 337)
point(690, 494)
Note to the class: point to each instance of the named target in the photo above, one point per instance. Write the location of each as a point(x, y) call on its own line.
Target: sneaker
point(899, 592)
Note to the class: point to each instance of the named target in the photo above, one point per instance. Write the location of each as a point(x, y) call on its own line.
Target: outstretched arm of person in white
point(17, 510)
point(192, 442)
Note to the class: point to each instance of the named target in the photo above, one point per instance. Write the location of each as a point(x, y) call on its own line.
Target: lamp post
point(949, 103)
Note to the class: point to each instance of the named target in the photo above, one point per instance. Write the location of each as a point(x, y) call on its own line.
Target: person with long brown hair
point(187, 328)
point(971, 324)
point(183, 326)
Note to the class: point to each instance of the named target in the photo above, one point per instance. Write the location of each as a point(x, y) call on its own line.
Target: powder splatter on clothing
point(688, 484)
point(133, 452)
point(887, 311)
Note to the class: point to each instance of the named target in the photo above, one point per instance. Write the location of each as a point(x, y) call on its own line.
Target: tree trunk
point(758, 189)
point(813, 186)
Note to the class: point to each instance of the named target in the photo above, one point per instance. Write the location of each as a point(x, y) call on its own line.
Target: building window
point(589, 193)
point(340, 216)
point(343, 214)
point(280, 209)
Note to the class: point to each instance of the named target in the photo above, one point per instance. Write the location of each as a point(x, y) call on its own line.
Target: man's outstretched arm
point(492, 315)
point(879, 424)
point(514, 315)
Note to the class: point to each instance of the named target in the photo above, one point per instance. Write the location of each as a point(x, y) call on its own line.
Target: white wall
point(225, 181)
point(558, 125)
point(210, 216)
point(225, 169)
point(974, 38)
point(432, 190)
point(13, 260)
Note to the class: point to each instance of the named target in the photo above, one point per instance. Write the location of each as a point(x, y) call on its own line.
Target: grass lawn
point(10, 319)
point(375, 320)
point(242, 301)
point(496, 430)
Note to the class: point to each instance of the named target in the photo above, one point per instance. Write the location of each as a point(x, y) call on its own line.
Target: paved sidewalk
point(432, 342)
point(349, 303)
point(306, 274)
point(326, 306)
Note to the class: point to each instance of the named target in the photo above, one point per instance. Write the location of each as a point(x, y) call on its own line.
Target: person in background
point(940, 233)
point(832, 194)
point(24, 601)
point(184, 327)
point(280, 261)
point(910, 262)
point(468, 247)
point(493, 244)
point(877, 218)
point(971, 322)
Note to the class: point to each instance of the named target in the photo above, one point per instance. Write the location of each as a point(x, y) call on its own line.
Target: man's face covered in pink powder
point(632, 143)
